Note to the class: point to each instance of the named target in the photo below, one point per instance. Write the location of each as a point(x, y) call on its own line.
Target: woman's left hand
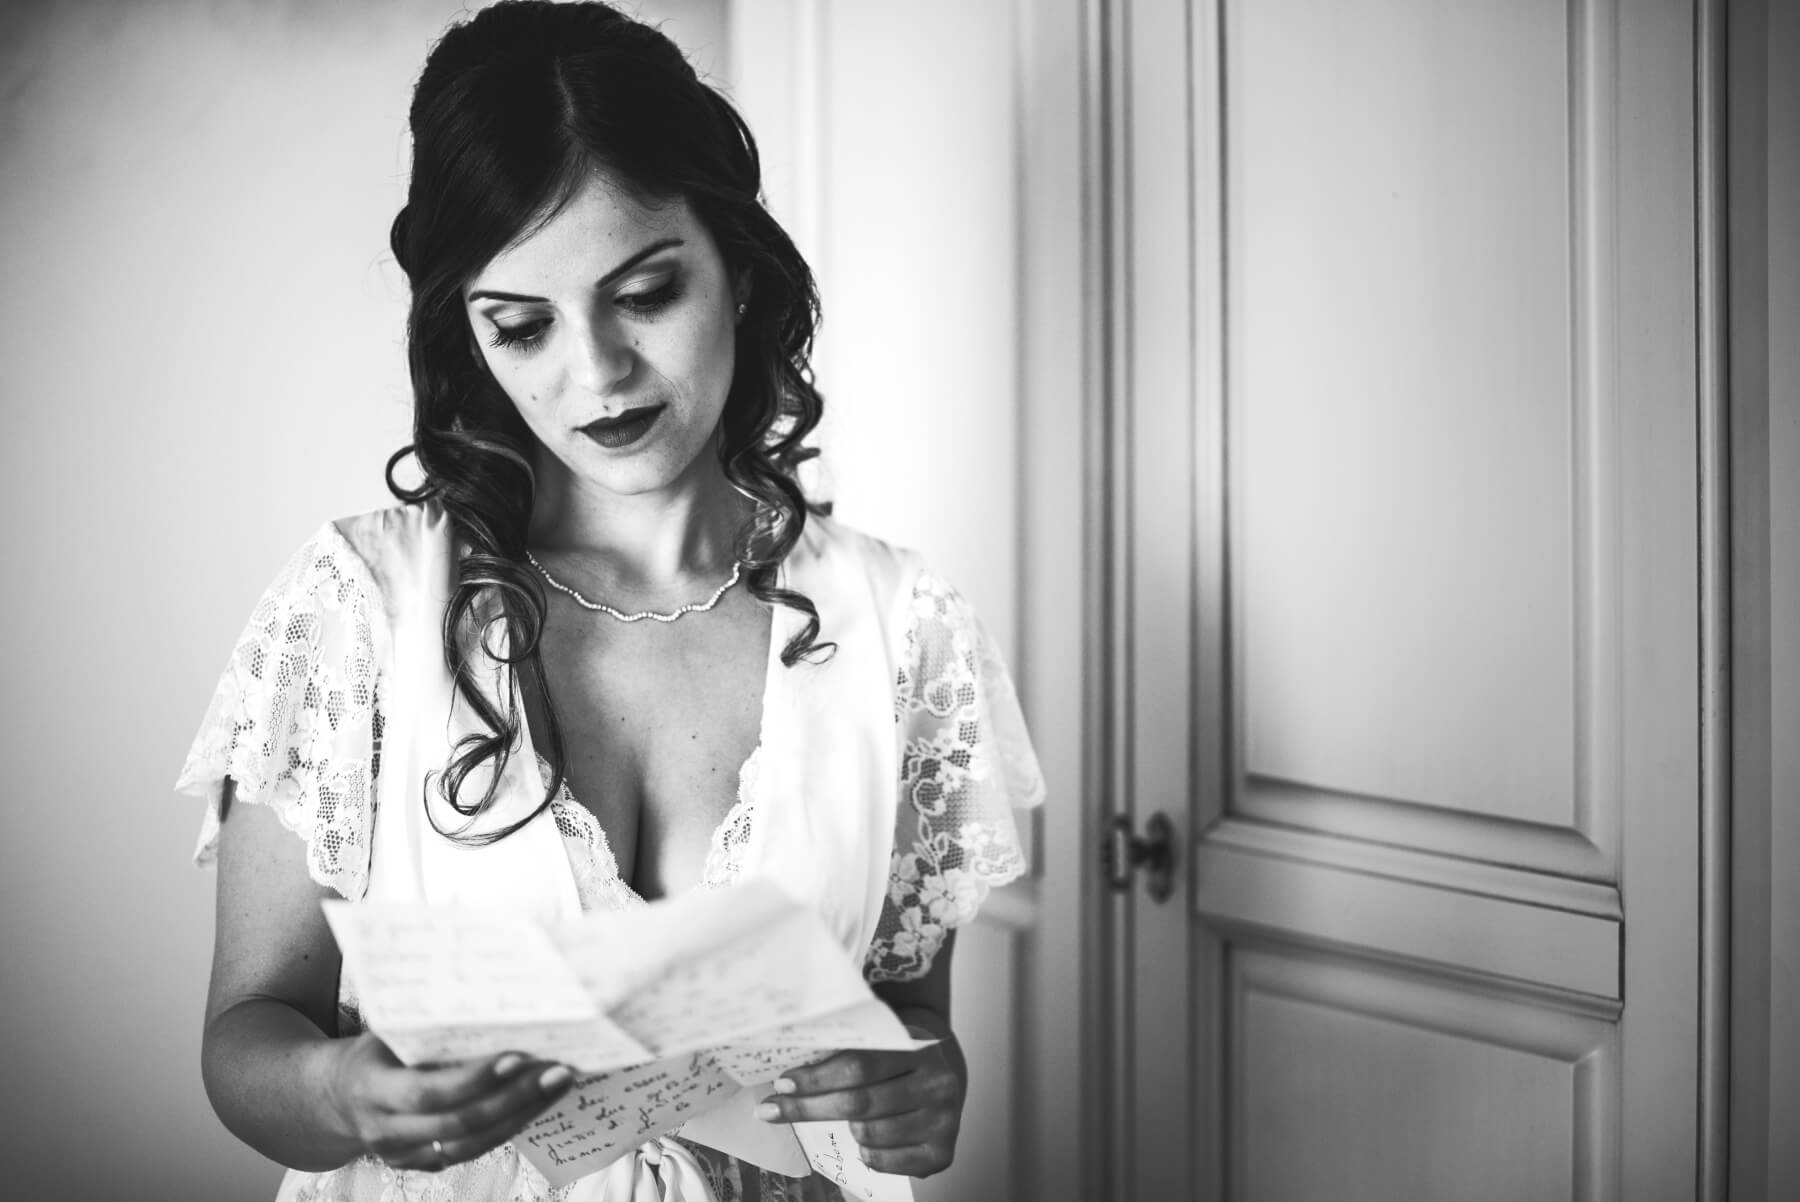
point(904, 1108)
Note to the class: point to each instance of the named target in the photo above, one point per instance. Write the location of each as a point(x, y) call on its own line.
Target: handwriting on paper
point(669, 1010)
point(417, 967)
point(757, 1065)
point(865, 1024)
point(608, 1114)
point(834, 1155)
point(786, 972)
point(595, 1041)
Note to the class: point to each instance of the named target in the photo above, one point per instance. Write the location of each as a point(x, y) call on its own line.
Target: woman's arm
point(905, 1108)
point(924, 1001)
point(276, 1076)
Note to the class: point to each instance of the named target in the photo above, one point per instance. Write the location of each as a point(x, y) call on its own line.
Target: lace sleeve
point(965, 763)
point(293, 721)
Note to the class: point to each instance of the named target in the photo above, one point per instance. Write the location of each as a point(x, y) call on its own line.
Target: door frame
point(1138, 1035)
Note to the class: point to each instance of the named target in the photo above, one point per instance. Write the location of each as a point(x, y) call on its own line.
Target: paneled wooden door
point(1404, 623)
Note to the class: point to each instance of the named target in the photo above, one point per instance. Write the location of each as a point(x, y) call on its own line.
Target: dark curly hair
point(514, 109)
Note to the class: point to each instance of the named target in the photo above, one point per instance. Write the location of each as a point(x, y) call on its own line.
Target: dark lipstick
point(625, 429)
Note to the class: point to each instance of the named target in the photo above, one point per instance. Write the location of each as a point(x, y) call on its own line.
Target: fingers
point(860, 1102)
point(920, 1160)
point(480, 1123)
point(402, 1090)
point(847, 1070)
point(919, 1088)
point(902, 1130)
point(904, 1108)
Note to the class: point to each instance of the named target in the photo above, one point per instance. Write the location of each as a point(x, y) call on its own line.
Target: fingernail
point(507, 1063)
point(768, 1112)
point(555, 1077)
point(783, 1085)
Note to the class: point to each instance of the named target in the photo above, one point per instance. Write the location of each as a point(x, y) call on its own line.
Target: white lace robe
point(296, 723)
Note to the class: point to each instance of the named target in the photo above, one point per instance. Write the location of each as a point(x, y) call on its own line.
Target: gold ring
point(437, 1146)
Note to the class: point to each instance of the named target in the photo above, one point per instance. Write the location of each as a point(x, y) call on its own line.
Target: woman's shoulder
point(357, 571)
point(833, 545)
point(383, 548)
point(383, 537)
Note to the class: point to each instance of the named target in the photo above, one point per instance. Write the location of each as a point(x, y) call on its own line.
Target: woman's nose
point(603, 357)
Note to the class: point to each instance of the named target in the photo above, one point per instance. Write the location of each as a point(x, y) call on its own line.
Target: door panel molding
point(1484, 874)
point(1426, 1003)
point(1599, 527)
point(1501, 880)
point(1524, 885)
point(1455, 929)
point(1592, 799)
point(1486, 838)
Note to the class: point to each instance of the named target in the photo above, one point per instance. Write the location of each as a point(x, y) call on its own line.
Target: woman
point(602, 653)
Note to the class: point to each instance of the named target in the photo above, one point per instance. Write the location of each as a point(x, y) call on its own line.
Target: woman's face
point(612, 328)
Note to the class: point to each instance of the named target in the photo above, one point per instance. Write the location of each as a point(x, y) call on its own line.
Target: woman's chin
point(639, 471)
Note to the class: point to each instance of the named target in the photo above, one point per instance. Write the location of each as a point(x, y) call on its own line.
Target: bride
point(603, 652)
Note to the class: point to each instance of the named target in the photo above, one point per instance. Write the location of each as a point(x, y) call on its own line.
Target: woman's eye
point(653, 300)
point(523, 336)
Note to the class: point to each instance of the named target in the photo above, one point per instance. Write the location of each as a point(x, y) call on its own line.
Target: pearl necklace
point(602, 607)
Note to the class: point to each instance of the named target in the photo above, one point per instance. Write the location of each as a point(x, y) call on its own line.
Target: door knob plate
point(1126, 852)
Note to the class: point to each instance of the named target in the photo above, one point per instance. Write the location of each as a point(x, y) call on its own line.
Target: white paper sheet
point(786, 972)
point(606, 1115)
point(733, 1128)
point(771, 1052)
point(595, 1043)
point(673, 1011)
point(416, 967)
point(834, 1155)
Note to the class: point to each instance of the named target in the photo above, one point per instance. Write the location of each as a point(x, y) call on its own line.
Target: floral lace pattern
point(965, 762)
point(294, 721)
point(725, 856)
point(597, 878)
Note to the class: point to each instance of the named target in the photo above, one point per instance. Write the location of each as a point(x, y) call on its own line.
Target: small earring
point(743, 308)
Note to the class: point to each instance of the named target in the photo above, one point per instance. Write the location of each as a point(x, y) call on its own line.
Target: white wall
point(891, 142)
point(202, 339)
point(890, 146)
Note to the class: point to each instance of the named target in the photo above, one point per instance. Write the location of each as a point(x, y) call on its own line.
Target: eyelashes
point(643, 304)
point(527, 336)
point(524, 337)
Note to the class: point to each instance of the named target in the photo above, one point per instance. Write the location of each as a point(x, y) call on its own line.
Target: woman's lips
point(625, 429)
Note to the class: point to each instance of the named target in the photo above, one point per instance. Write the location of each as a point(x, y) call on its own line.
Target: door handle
point(1124, 852)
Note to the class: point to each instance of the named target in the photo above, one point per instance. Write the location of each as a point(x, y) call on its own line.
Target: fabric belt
point(661, 1170)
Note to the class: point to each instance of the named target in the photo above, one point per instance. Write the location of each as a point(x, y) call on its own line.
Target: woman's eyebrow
point(603, 281)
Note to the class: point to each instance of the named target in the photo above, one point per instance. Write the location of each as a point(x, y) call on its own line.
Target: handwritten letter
point(416, 967)
point(607, 1115)
point(864, 1024)
point(835, 1156)
point(671, 1010)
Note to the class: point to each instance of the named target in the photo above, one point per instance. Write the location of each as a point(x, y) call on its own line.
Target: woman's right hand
point(431, 1118)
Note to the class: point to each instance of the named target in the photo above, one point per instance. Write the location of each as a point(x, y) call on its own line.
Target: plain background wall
point(202, 339)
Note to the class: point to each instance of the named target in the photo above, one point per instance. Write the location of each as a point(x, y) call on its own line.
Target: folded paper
point(677, 1015)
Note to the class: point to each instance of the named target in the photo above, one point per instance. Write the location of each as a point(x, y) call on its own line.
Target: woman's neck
point(646, 542)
